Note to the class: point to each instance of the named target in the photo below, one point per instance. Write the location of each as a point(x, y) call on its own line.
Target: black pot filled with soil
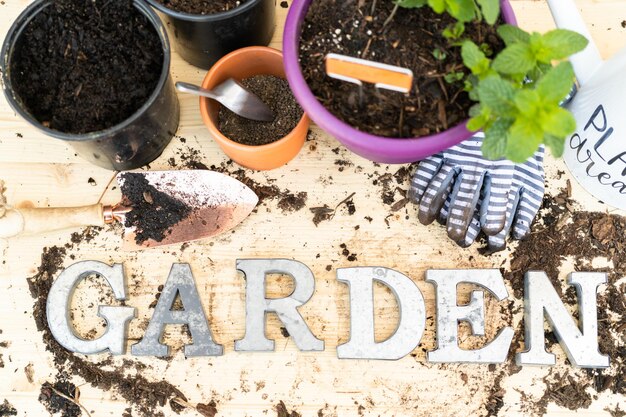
point(203, 31)
point(96, 75)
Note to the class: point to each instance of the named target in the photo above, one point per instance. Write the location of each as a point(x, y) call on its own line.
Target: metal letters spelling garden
point(541, 300)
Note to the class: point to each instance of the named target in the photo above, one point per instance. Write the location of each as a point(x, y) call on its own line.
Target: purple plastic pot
point(374, 148)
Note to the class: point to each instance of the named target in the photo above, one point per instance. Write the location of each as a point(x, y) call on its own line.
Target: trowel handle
point(567, 16)
point(32, 221)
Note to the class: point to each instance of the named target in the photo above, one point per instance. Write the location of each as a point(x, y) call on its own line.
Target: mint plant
point(519, 91)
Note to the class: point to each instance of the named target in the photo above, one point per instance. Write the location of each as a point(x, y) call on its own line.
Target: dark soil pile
point(54, 397)
point(6, 409)
point(85, 66)
point(563, 231)
point(145, 396)
point(274, 92)
point(153, 213)
point(411, 40)
point(202, 6)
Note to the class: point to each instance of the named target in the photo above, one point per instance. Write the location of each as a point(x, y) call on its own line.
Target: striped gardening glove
point(470, 194)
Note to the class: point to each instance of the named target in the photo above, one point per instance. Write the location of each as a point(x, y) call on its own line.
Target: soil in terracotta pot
point(274, 92)
point(202, 6)
point(153, 212)
point(411, 40)
point(84, 66)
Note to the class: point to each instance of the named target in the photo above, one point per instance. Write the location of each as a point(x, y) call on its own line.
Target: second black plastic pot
point(202, 40)
point(133, 143)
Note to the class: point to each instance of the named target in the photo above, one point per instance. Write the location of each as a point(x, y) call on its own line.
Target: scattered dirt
point(189, 157)
point(326, 213)
point(293, 202)
point(207, 410)
point(281, 411)
point(274, 92)
point(287, 201)
point(6, 409)
point(85, 66)
point(145, 396)
point(347, 254)
point(52, 397)
point(202, 6)
point(357, 29)
point(153, 213)
point(563, 231)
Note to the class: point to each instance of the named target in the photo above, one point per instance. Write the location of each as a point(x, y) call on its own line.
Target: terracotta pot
point(375, 148)
point(241, 64)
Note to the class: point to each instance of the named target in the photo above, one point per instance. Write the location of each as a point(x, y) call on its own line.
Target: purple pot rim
point(394, 148)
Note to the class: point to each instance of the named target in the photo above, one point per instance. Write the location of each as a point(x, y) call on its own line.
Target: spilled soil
point(6, 409)
point(276, 94)
point(153, 213)
point(85, 66)
point(202, 6)
point(411, 39)
point(563, 231)
point(146, 397)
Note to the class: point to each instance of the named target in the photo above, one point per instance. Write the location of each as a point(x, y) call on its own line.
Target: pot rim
point(393, 149)
point(213, 127)
point(5, 63)
point(214, 17)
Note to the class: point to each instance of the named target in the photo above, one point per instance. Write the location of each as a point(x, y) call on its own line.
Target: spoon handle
point(194, 89)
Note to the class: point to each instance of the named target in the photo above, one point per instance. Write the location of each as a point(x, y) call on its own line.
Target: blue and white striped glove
point(469, 193)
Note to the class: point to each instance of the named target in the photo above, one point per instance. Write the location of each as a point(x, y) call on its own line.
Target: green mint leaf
point(490, 9)
point(512, 34)
point(439, 54)
point(515, 59)
point(558, 122)
point(439, 6)
point(409, 4)
point(474, 58)
point(496, 139)
point(524, 138)
point(497, 94)
point(556, 84)
point(556, 145)
point(559, 44)
point(453, 77)
point(454, 31)
point(528, 103)
point(462, 10)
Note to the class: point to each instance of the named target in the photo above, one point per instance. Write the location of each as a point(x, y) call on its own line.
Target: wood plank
point(43, 171)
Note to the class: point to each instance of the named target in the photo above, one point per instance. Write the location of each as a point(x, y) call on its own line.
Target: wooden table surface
point(42, 171)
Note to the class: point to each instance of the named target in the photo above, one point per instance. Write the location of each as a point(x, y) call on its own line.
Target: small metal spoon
point(234, 97)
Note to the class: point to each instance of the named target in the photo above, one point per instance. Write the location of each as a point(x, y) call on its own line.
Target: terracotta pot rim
point(213, 128)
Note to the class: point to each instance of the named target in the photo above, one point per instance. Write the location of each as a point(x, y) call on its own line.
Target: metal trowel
point(215, 203)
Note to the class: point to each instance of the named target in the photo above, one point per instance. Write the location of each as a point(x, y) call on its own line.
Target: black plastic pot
point(202, 40)
point(136, 141)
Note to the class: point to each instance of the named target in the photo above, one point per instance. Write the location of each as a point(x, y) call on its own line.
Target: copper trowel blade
point(218, 203)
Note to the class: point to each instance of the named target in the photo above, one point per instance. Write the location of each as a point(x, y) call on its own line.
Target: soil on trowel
point(202, 6)
point(144, 396)
point(274, 92)
point(412, 39)
point(85, 66)
point(153, 212)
